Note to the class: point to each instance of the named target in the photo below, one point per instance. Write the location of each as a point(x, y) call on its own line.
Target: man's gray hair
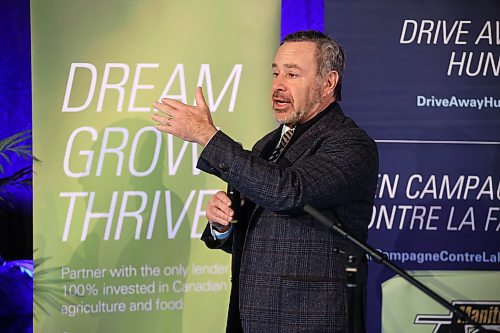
point(330, 55)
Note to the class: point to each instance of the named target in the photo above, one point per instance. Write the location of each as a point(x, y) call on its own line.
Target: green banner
point(119, 207)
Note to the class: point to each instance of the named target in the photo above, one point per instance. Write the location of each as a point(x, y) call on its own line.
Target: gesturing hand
point(187, 122)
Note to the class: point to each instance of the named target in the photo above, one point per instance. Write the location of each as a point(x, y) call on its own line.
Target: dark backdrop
point(15, 116)
point(423, 146)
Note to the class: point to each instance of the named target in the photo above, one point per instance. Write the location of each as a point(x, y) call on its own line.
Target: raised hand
point(187, 122)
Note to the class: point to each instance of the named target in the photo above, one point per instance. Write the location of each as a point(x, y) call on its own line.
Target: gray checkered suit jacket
point(288, 274)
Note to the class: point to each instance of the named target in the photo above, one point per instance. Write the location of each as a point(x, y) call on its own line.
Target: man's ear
point(331, 81)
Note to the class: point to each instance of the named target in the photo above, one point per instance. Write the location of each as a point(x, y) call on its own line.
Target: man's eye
point(275, 74)
point(292, 75)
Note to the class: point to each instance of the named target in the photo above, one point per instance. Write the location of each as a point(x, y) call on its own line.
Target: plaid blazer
point(288, 272)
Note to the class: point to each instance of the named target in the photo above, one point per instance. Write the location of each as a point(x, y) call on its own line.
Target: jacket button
point(223, 166)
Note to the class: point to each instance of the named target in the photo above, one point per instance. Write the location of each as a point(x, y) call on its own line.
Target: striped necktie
point(285, 138)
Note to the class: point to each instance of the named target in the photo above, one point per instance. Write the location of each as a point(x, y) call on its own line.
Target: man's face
point(296, 92)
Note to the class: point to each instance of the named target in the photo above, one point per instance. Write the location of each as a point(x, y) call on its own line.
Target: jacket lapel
point(266, 145)
point(297, 148)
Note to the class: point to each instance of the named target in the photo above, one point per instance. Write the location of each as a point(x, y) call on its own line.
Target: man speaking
point(288, 270)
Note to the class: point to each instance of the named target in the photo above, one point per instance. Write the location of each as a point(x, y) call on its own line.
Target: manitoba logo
point(485, 313)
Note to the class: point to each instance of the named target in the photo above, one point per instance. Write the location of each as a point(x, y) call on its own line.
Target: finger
point(161, 120)
point(218, 209)
point(200, 99)
point(165, 109)
point(221, 210)
point(216, 215)
point(223, 197)
point(173, 103)
point(164, 128)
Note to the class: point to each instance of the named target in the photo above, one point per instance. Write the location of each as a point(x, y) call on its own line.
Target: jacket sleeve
point(323, 170)
point(212, 243)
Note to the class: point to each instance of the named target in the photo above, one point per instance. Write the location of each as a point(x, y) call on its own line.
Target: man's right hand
point(219, 212)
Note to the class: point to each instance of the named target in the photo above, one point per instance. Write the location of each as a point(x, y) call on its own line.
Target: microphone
point(235, 198)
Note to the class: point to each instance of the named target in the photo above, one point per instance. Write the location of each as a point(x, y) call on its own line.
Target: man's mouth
point(280, 102)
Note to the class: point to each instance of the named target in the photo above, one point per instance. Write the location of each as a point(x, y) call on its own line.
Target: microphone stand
point(382, 259)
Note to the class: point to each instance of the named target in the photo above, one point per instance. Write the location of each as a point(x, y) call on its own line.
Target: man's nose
point(278, 84)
